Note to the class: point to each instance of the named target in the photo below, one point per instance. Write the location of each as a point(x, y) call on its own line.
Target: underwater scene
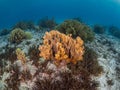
point(59, 44)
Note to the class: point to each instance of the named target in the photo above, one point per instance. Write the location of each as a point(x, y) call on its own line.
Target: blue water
point(105, 12)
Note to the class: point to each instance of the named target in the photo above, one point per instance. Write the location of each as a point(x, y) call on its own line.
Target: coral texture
point(17, 35)
point(61, 48)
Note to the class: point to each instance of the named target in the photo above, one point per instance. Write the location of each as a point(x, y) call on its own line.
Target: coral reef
point(99, 29)
point(60, 47)
point(76, 28)
point(47, 23)
point(60, 62)
point(29, 71)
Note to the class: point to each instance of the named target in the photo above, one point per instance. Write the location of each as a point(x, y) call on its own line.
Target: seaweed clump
point(20, 71)
point(99, 29)
point(47, 23)
point(18, 75)
point(34, 54)
point(4, 32)
point(14, 81)
point(76, 28)
point(115, 31)
point(25, 25)
point(65, 81)
point(9, 54)
point(90, 62)
point(78, 19)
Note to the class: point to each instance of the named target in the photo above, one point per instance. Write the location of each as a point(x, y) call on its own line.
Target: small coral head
point(60, 47)
point(21, 55)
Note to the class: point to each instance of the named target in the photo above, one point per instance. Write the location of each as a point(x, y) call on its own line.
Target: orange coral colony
point(60, 47)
